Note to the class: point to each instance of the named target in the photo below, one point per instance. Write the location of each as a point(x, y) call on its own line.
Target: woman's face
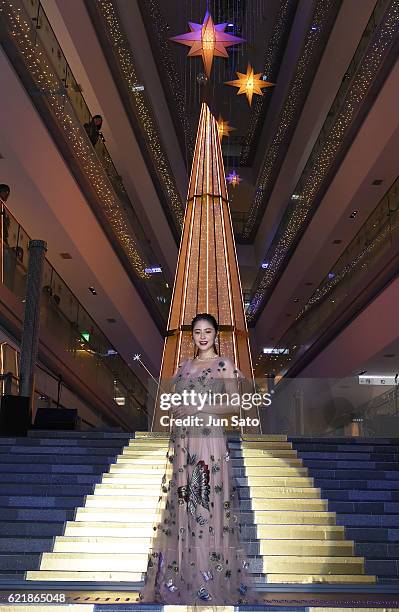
point(204, 334)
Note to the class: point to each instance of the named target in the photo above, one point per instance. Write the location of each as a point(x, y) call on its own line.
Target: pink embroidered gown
point(196, 557)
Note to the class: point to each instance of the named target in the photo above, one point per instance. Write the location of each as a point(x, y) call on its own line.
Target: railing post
point(30, 331)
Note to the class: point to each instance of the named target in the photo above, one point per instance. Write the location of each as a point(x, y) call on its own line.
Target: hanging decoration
point(208, 40)
point(224, 128)
point(233, 179)
point(249, 83)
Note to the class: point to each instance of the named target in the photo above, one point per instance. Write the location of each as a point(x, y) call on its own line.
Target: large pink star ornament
point(208, 40)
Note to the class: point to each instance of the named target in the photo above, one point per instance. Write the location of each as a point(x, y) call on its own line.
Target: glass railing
point(44, 38)
point(372, 247)
point(331, 407)
point(64, 318)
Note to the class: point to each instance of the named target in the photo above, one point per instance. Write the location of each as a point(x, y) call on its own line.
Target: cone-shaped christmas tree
point(207, 277)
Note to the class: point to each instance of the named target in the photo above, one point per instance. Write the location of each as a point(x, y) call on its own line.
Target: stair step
point(80, 576)
point(39, 501)
point(49, 479)
point(368, 520)
point(45, 490)
point(80, 435)
point(102, 562)
point(55, 451)
point(365, 507)
point(349, 474)
point(100, 529)
point(105, 544)
point(373, 534)
point(29, 529)
point(254, 492)
point(358, 496)
point(320, 578)
point(377, 550)
point(35, 514)
point(365, 484)
point(25, 545)
point(48, 468)
point(19, 562)
point(291, 564)
point(290, 518)
point(64, 442)
point(67, 459)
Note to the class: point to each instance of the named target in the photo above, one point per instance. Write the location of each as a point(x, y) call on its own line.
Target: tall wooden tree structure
point(207, 277)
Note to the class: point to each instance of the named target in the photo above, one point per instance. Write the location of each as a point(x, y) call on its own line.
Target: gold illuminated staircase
point(290, 534)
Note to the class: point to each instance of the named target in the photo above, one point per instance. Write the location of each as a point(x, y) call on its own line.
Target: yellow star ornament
point(224, 128)
point(249, 83)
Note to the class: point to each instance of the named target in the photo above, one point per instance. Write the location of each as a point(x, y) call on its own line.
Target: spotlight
point(92, 290)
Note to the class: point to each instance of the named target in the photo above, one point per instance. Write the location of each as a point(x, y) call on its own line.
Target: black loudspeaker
point(15, 415)
point(56, 418)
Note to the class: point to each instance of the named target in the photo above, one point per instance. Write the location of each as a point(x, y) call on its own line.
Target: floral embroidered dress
point(196, 557)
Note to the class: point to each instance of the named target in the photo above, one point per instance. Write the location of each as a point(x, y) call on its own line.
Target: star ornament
point(208, 40)
point(234, 179)
point(249, 83)
point(224, 128)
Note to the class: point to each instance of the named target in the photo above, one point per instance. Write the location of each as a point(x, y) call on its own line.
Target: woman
point(196, 557)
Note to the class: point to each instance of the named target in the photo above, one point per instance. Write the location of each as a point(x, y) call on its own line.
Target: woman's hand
point(179, 412)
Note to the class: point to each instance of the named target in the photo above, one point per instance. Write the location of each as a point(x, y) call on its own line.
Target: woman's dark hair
point(205, 316)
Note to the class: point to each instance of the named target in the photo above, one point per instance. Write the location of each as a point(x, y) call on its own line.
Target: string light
point(125, 59)
point(325, 151)
point(47, 82)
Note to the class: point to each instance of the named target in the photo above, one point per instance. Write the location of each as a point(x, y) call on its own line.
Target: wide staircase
point(80, 507)
point(360, 479)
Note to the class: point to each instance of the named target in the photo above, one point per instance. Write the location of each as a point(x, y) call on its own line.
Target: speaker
point(56, 418)
point(15, 415)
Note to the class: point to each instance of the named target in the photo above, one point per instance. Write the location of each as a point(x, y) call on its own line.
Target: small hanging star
point(224, 128)
point(249, 83)
point(208, 40)
point(234, 179)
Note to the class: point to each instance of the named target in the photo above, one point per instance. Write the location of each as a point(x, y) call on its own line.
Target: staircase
point(360, 479)
point(290, 533)
point(43, 478)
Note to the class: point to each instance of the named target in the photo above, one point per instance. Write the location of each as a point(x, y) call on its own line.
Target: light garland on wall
point(297, 92)
point(271, 65)
point(320, 161)
point(125, 60)
point(22, 33)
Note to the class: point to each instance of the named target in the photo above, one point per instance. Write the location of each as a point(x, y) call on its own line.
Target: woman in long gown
point(196, 557)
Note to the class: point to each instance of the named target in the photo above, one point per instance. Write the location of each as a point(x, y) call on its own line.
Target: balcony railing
point(62, 316)
point(32, 35)
point(376, 243)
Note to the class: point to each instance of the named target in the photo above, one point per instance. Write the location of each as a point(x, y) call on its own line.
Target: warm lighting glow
point(233, 179)
point(249, 83)
point(208, 40)
point(224, 128)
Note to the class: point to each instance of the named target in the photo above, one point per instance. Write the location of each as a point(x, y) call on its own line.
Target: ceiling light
point(296, 300)
point(153, 270)
point(353, 214)
point(265, 265)
point(377, 182)
point(295, 196)
point(331, 275)
point(92, 290)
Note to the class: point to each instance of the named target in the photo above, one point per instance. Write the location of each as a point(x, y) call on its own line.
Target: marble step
point(30, 529)
point(64, 442)
point(65, 451)
point(39, 501)
point(351, 484)
point(109, 544)
point(36, 514)
point(45, 490)
point(39, 479)
point(101, 528)
point(137, 562)
point(66, 459)
point(25, 545)
point(80, 435)
point(49, 468)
